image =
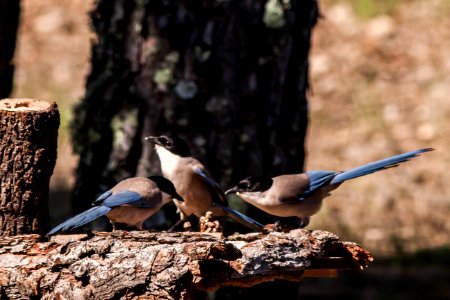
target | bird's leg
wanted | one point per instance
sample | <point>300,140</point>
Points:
<point>304,221</point>
<point>140,226</point>
<point>118,226</point>
<point>189,220</point>
<point>113,225</point>
<point>176,225</point>
<point>287,224</point>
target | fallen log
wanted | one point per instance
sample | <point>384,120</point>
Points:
<point>165,265</point>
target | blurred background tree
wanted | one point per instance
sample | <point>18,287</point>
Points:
<point>9,22</point>
<point>228,76</point>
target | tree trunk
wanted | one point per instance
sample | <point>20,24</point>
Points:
<point>146,265</point>
<point>230,77</point>
<point>9,22</point>
<point>28,136</point>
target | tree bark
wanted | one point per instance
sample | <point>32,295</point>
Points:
<point>28,142</point>
<point>9,22</point>
<point>162,265</point>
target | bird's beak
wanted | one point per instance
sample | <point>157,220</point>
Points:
<point>233,190</point>
<point>153,140</point>
<point>178,197</point>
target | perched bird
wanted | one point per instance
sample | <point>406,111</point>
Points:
<point>130,202</point>
<point>193,182</point>
<point>301,195</point>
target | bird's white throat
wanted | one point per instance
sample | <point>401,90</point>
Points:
<point>168,160</point>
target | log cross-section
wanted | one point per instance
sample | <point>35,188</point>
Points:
<point>28,136</point>
<point>163,265</point>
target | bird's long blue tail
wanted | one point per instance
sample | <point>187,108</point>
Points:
<point>376,166</point>
<point>243,219</point>
<point>81,219</point>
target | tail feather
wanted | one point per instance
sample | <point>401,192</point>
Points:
<point>377,166</point>
<point>81,219</point>
<point>242,219</point>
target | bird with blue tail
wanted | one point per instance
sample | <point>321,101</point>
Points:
<point>200,192</point>
<point>129,202</point>
<point>301,195</point>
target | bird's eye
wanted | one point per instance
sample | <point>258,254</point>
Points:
<point>166,141</point>
<point>244,185</point>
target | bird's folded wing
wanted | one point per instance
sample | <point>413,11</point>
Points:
<point>212,184</point>
<point>292,189</point>
<point>317,179</point>
<point>102,197</point>
<point>130,198</point>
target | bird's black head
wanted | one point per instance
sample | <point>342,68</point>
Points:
<point>252,184</point>
<point>174,144</point>
<point>166,186</point>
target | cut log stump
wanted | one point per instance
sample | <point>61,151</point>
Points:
<point>165,265</point>
<point>28,137</point>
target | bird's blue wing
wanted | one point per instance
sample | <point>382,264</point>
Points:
<point>377,165</point>
<point>316,180</point>
<point>81,219</point>
<point>212,184</point>
<point>127,197</point>
<point>102,197</point>
<point>206,178</point>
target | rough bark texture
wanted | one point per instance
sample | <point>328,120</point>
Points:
<point>9,22</point>
<point>229,76</point>
<point>28,142</point>
<point>146,265</point>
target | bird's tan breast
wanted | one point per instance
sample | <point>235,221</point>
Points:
<point>195,193</point>
<point>189,185</point>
